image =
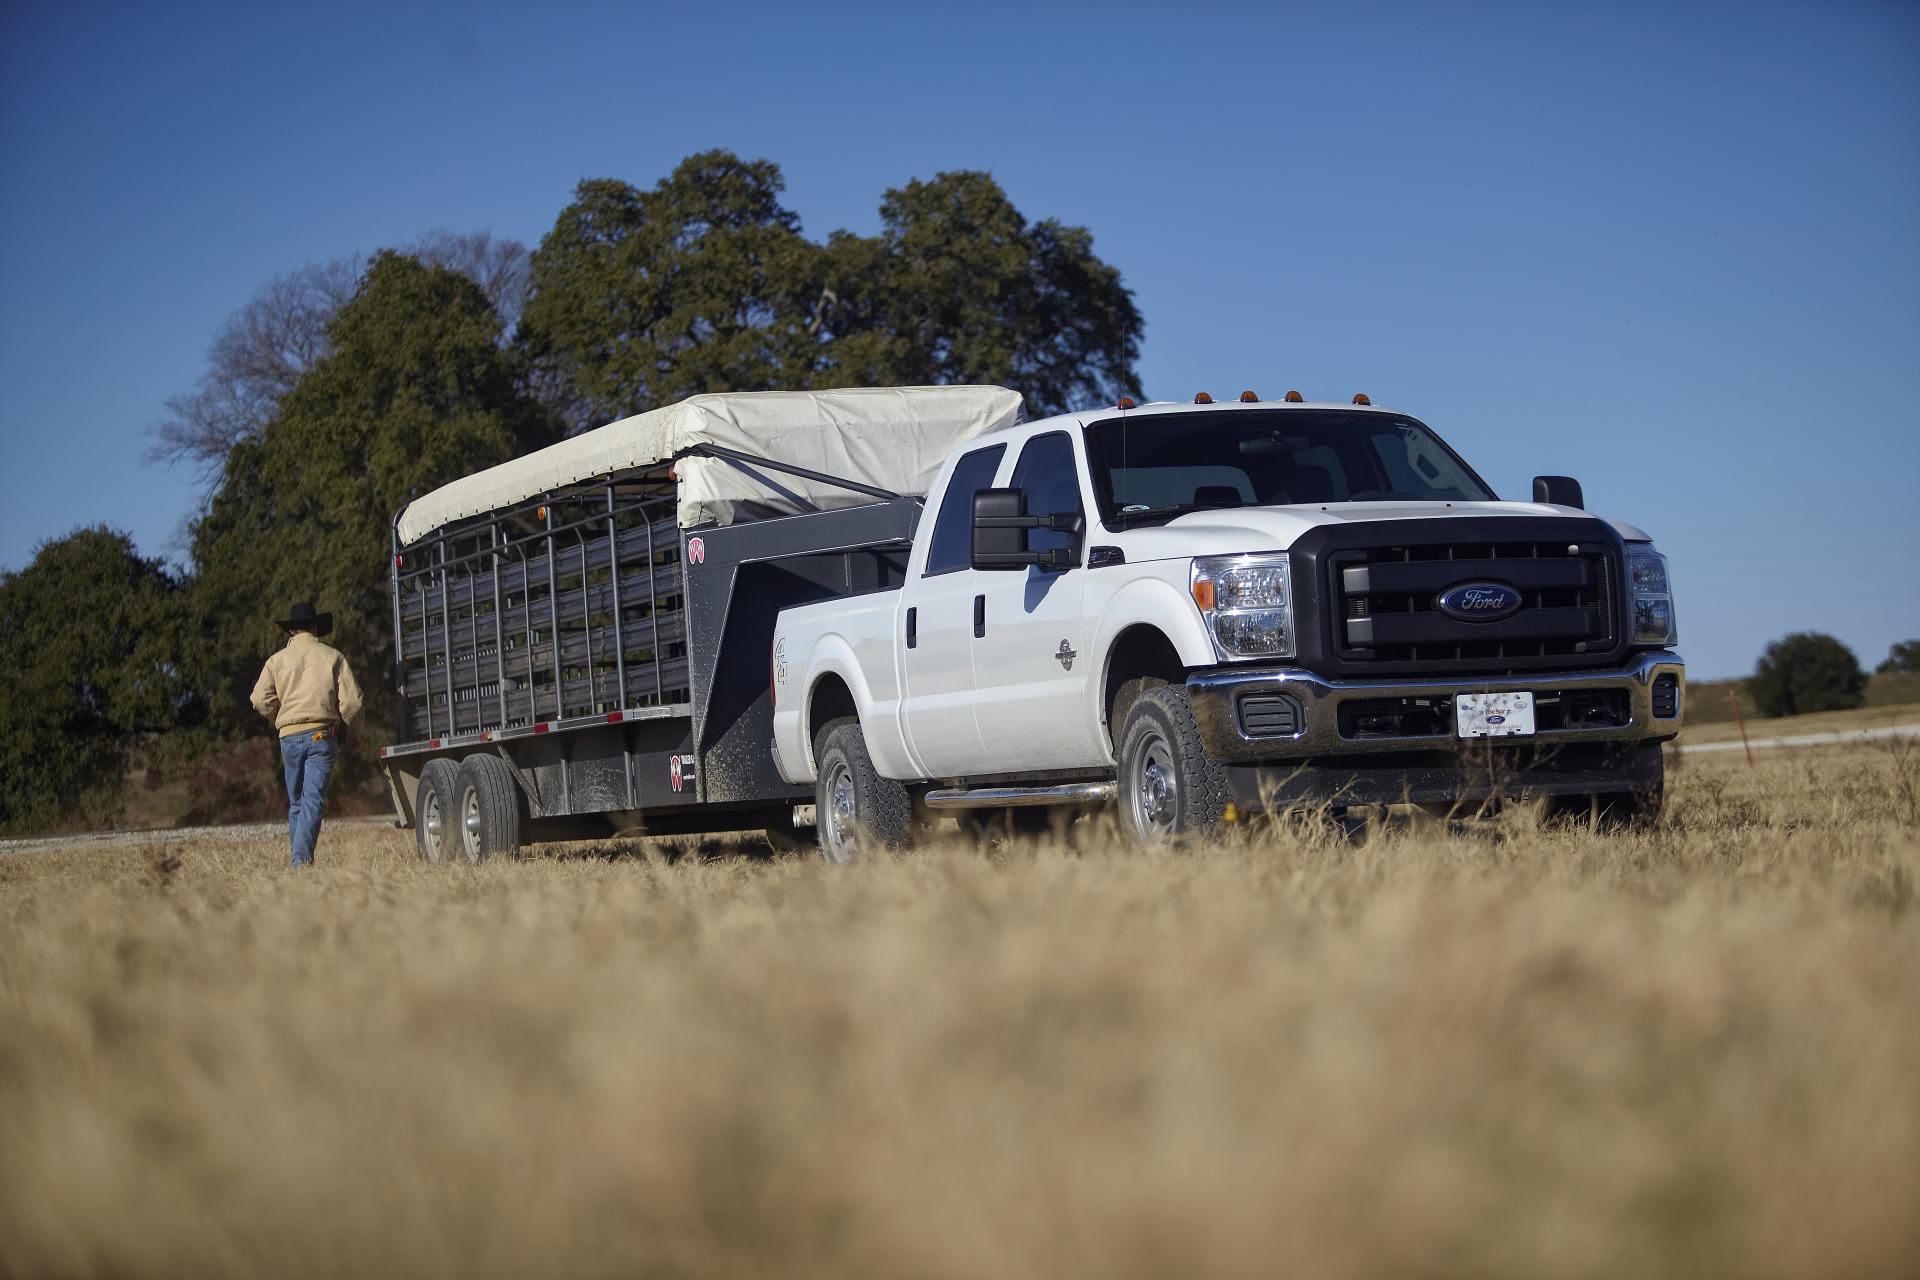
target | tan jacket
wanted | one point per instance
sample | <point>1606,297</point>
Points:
<point>306,686</point>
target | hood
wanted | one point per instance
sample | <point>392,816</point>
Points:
<point>1233,530</point>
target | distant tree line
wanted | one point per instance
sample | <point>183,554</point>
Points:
<point>342,389</point>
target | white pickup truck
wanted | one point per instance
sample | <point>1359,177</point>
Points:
<point>1203,610</point>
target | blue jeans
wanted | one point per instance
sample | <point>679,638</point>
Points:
<point>308,759</point>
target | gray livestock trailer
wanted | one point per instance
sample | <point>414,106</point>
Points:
<point>583,660</point>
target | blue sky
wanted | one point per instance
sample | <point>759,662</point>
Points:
<point>1673,250</point>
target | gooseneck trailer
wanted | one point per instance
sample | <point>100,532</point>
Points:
<point>582,636</point>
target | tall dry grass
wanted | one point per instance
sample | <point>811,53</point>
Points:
<point>1498,1051</point>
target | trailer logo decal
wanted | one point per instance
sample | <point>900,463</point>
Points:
<point>680,771</point>
<point>1066,655</point>
<point>696,550</point>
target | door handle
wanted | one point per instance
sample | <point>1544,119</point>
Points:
<point>913,628</point>
<point>979,617</point>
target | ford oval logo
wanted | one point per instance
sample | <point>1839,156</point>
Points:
<point>1478,601</point>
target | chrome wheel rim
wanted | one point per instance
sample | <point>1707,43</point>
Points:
<point>840,823</point>
<point>433,825</point>
<point>470,825</point>
<point>1154,796</point>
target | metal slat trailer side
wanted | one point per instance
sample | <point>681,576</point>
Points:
<point>615,663</point>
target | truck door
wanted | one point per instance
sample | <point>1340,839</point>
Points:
<point>1030,665</point>
<point>936,627</point>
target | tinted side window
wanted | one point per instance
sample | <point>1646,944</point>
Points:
<point>952,546</point>
<point>1047,476</point>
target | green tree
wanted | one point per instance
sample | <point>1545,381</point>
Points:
<point>1807,671</point>
<point>960,287</point>
<point>89,631</point>
<point>415,391</point>
<point>705,283</point>
<point>1903,656</point>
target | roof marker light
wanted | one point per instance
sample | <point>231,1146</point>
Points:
<point>1126,402</point>
<point>1362,399</point>
<point>1249,397</point>
<point>1201,397</point>
<point>1294,397</point>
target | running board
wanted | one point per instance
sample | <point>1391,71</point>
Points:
<point>1019,797</point>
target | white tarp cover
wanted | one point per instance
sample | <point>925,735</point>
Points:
<point>893,438</point>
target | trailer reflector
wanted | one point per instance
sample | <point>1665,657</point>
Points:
<point>543,726</point>
<point>433,744</point>
<point>615,717</point>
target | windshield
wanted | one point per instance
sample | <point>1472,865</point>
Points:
<point>1150,469</point>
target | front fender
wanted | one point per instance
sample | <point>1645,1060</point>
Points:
<point>1154,602</point>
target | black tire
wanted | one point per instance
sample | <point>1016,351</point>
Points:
<point>491,816</point>
<point>1169,787</point>
<point>435,830</point>
<point>856,811</point>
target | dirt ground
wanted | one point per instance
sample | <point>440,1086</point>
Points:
<point>1492,1050</point>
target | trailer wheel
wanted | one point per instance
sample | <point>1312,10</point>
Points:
<point>434,802</point>
<point>490,814</point>
<point>1169,786</point>
<point>857,811</point>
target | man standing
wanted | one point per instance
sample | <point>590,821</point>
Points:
<point>308,691</point>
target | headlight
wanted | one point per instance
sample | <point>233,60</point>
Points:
<point>1652,595</point>
<point>1247,604</point>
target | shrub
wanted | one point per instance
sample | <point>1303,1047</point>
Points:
<point>1807,671</point>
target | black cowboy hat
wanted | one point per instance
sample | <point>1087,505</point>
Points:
<point>303,617</point>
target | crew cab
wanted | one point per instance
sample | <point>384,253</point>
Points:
<point>1198,611</point>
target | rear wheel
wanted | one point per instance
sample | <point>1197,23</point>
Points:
<point>856,811</point>
<point>435,832</point>
<point>490,812</point>
<point>1169,786</point>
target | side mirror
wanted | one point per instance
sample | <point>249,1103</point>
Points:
<point>1559,491</point>
<point>1000,524</point>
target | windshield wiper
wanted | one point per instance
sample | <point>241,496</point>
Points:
<point>1125,519</point>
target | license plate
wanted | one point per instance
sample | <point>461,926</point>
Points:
<point>1493,715</point>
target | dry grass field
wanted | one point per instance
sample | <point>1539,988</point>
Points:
<point>1495,1051</point>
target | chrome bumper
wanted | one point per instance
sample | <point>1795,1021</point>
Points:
<point>1216,695</point>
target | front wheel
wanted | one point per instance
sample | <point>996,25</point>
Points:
<point>857,811</point>
<point>1169,787</point>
